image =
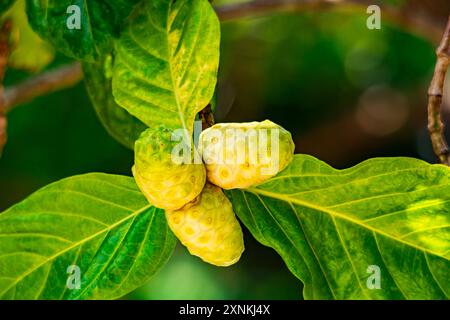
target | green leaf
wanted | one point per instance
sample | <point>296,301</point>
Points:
<point>167,59</point>
<point>5,4</point>
<point>29,51</point>
<point>330,225</point>
<point>118,122</point>
<point>101,20</point>
<point>98,222</point>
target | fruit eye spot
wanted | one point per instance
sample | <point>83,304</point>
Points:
<point>203,239</point>
<point>224,173</point>
<point>195,213</point>
<point>176,220</point>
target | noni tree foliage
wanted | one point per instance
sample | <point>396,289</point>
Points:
<point>150,67</point>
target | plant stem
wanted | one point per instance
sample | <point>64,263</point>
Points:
<point>435,94</point>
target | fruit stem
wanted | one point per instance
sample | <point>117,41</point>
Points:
<point>207,117</point>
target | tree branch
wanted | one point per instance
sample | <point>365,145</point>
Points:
<point>435,94</point>
<point>43,84</point>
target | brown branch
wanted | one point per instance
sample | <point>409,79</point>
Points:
<point>70,75</point>
<point>262,7</point>
<point>435,94</point>
<point>43,84</point>
<point>4,53</point>
<point>259,7</point>
<point>409,18</point>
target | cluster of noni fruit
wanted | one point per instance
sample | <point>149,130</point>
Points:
<point>229,156</point>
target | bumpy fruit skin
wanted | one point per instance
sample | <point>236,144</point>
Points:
<point>231,153</point>
<point>208,228</point>
<point>166,184</point>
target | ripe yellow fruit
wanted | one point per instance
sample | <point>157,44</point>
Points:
<point>167,184</point>
<point>240,155</point>
<point>208,228</point>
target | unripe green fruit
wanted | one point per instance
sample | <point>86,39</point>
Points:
<point>240,155</point>
<point>167,184</point>
<point>208,228</point>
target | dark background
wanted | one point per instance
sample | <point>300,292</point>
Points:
<point>345,92</point>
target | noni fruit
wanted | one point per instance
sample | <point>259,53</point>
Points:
<point>239,155</point>
<point>167,180</point>
<point>208,228</point>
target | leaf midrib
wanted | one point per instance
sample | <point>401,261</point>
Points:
<point>336,214</point>
<point>74,245</point>
<point>338,174</point>
<point>110,258</point>
<point>294,244</point>
<point>172,77</point>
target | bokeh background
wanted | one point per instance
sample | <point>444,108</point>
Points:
<point>345,92</point>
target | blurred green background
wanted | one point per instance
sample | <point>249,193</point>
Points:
<point>345,92</point>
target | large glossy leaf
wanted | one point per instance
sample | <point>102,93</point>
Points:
<point>166,65</point>
<point>330,225</point>
<point>100,223</point>
<point>29,51</point>
<point>101,20</point>
<point>118,122</point>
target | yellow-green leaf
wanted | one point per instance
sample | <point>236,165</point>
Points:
<point>334,228</point>
<point>99,223</point>
<point>117,121</point>
<point>166,62</point>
